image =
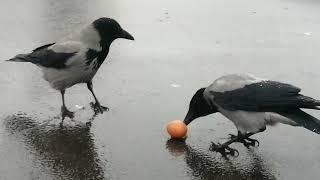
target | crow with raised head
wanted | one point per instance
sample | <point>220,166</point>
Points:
<point>76,58</point>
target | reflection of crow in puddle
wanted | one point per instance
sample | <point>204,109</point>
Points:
<point>205,166</point>
<point>68,150</point>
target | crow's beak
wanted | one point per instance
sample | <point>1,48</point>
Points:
<point>126,35</point>
<point>189,118</point>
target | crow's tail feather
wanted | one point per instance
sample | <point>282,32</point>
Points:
<point>303,119</point>
<point>19,58</point>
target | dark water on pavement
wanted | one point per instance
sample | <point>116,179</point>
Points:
<point>180,46</point>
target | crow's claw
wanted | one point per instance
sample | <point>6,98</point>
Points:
<point>66,113</point>
<point>97,108</point>
<point>249,142</point>
<point>253,142</point>
<point>232,136</point>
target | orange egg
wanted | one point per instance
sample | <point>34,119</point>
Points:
<point>177,129</point>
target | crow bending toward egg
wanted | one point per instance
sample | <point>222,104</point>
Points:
<point>251,103</point>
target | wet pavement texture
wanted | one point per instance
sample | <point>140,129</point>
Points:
<point>180,46</point>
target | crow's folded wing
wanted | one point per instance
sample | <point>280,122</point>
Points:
<point>264,96</point>
<point>53,55</point>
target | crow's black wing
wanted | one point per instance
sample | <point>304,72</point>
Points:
<point>43,46</point>
<point>264,96</point>
<point>48,57</point>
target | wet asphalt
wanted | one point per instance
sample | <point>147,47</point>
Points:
<point>180,46</point>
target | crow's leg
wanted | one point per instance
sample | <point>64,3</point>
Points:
<point>64,111</point>
<point>224,148</point>
<point>96,106</point>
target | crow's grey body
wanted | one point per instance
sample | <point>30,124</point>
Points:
<point>65,63</point>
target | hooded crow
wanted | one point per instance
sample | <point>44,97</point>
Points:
<point>76,58</point>
<point>251,103</point>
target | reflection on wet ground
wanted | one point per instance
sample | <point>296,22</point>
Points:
<point>203,165</point>
<point>69,151</point>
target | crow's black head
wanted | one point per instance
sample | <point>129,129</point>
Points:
<point>199,107</point>
<point>109,30</point>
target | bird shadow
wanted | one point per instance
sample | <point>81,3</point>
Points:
<point>68,151</point>
<point>204,165</point>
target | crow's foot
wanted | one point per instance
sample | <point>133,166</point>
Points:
<point>97,108</point>
<point>66,113</point>
<point>246,141</point>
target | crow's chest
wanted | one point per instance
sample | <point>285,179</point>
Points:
<point>94,58</point>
